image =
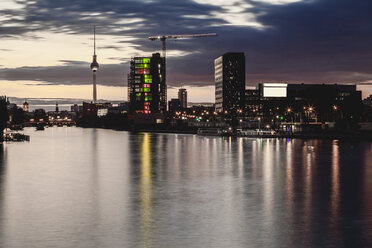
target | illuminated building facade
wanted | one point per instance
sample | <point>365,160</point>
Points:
<point>230,82</point>
<point>147,89</point>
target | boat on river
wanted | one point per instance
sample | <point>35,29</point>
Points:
<point>209,131</point>
<point>40,127</point>
<point>15,136</point>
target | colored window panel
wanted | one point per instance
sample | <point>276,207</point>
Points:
<point>148,76</point>
<point>148,81</point>
<point>146,60</point>
<point>142,71</point>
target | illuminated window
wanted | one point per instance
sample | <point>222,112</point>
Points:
<point>142,71</point>
<point>148,79</point>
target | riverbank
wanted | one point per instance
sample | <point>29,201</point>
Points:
<point>326,135</point>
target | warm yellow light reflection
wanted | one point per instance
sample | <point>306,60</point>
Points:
<point>146,192</point>
<point>335,179</point>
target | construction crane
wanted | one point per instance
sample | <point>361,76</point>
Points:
<point>163,38</point>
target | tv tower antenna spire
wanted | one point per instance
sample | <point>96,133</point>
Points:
<point>94,67</point>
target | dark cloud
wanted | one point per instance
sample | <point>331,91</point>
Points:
<point>321,41</point>
<point>71,73</point>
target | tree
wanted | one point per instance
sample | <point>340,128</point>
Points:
<point>18,116</point>
<point>4,116</point>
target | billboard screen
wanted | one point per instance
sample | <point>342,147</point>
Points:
<point>274,90</point>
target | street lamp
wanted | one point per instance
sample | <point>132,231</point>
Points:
<point>336,109</point>
<point>259,123</point>
<point>289,110</point>
<point>312,110</point>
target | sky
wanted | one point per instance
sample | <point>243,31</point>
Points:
<point>46,46</point>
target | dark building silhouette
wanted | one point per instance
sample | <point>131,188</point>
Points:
<point>230,82</point>
<point>368,101</point>
<point>147,89</point>
<point>174,105</point>
<point>182,96</point>
<point>89,109</point>
<point>304,102</point>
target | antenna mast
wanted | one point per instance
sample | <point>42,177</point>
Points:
<point>94,39</point>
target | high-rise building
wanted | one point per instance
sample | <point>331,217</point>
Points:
<point>182,96</point>
<point>147,90</point>
<point>230,82</point>
<point>94,67</point>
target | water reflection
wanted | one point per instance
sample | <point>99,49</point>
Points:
<point>2,202</point>
<point>335,182</point>
<point>119,189</point>
<point>146,211</point>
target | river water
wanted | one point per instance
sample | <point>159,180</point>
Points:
<point>74,187</point>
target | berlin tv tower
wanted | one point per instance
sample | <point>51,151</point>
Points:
<point>94,66</point>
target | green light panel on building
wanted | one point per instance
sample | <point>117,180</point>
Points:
<point>144,90</point>
<point>142,61</point>
<point>148,79</point>
<point>142,66</point>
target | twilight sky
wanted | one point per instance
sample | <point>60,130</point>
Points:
<point>46,46</point>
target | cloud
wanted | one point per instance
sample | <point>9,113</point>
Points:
<point>70,73</point>
<point>284,40</point>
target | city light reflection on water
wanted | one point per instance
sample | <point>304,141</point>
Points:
<point>145,192</point>
<point>103,188</point>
